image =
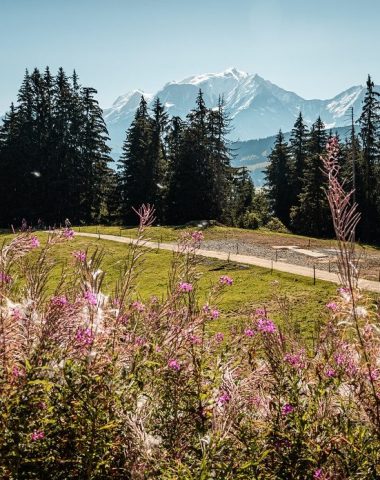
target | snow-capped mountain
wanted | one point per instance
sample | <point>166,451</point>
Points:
<point>258,108</point>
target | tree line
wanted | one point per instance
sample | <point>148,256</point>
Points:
<point>295,185</point>
<point>54,158</point>
<point>55,163</point>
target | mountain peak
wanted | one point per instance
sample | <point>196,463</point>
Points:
<point>258,107</point>
<point>230,73</point>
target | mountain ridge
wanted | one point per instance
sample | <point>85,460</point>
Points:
<point>258,108</point>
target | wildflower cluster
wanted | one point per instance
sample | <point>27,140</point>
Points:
<point>96,386</point>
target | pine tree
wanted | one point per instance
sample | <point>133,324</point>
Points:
<point>94,156</point>
<point>368,186</point>
<point>158,157</point>
<point>219,160</point>
<point>298,153</point>
<point>11,168</point>
<point>190,188</point>
<point>278,179</point>
<point>311,216</point>
<point>242,195</point>
<point>135,171</point>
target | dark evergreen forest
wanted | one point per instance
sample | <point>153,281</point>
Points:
<point>55,163</point>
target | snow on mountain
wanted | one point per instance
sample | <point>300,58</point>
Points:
<point>258,108</point>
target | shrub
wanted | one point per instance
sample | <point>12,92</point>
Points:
<point>275,225</point>
<point>250,220</point>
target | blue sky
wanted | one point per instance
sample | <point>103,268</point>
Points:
<point>313,48</point>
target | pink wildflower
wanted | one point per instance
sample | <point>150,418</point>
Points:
<point>374,375</point>
<point>79,255</point>
<point>59,301</point>
<point>84,336</point>
<point>330,372</point>
<point>37,435</point>
<point>223,399</point>
<point>90,297</point>
<point>219,337</point>
<point>260,312</point>
<point>197,236</point>
<point>317,474</point>
<point>18,372</point>
<point>286,409</point>
<point>68,233</point>
<point>4,278</point>
<point>226,280</point>
<point>295,360</point>
<point>140,341</point>
<point>265,325</point>
<point>185,287</point>
<point>16,313</point>
<point>332,306</point>
<point>34,242</point>
<point>174,365</point>
<point>194,339</point>
<point>138,306</point>
<point>249,332</point>
<point>214,313</point>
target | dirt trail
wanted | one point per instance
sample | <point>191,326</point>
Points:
<point>245,259</point>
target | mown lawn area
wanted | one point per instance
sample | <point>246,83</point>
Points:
<point>289,299</point>
<point>261,235</point>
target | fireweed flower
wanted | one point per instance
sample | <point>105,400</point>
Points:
<point>194,339</point>
<point>16,313</point>
<point>18,372</point>
<point>197,236</point>
<point>266,326</point>
<point>37,435</point>
<point>317,474</point>
<point>249,332</point>
<point>226,280</point>
<point>295,360</point>
<point>260,312</point>
<point>138,306</point>
<point>345,294</point>
<point>174,365</point>
<point>223,399</point>
<point>330,372</point>
<point>219,337</point>
<point>68,233</point>
<point>214,313</point>
<point>4,278</point>
<point>185,287</point>
<point>286,409</point>
<point>332,306</point>
<point>59,301</point>
<point>90,297</point>
<point>79,255</point>
<point>84,336</point>
<point>34,242</point>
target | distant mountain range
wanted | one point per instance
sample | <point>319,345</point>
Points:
<point>258,108</point>
<point>253,153</point>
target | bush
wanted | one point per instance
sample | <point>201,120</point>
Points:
<point>275,225</point>
<point>250,220</point>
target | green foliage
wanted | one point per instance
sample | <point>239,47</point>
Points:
<point>250,220</point>
<point>275,225</point>
<point>53,152</point>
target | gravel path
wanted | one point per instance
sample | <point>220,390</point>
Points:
<point>248,257</point>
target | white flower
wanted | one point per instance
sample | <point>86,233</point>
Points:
<point>361,312</point>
